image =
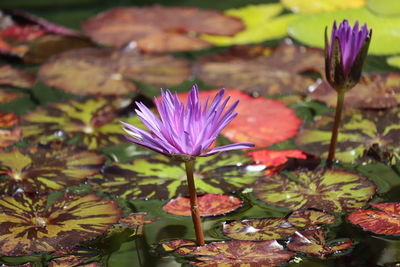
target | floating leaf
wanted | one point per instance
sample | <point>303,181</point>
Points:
<point>360,131</point>
<point>318,6</point>
<point>46,169</point>
<point>384,7</point>
<point>111,72</point>
<point>10,137</point>
<point>328,190</point>
<point>394,61</point>
<point>94,121</point>
<point>163,178</point>
<point>175,244</point>
<point>258,229</point>
<point>29,226</point>
<point>136,219</point>
<point>385,220</point>
<point>8,120</point>
<point>72,261</point>
<point>238,253</point>
<point>378,90</point>
<point>159,29</point>
<point>208,204</point>
<point>310,29</point>
<point>14,77</point>
<point>7,96</point>
<point>310,218</point>
<point>260,72</point>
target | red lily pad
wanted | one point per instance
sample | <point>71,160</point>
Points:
<point>159,29</point>
<point>7,96</point>
<point>262,73</point>
<point>208,204</point>
<point>258,229</point>
<point>313,243</point>
<point>238,253</point>
<point>377,90</point>
<point>330,190</point>
<point>8,120</point>
<point>14,77</point>
<point>46,169</point>
<point>310,218</point>
<point>111,72</point>
<point>385,220</point>
<point>28,225</point>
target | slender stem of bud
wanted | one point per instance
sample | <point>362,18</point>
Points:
<point>193,203</point>
<point>335,130</point>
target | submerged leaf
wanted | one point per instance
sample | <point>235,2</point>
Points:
<point>16,78</point>
<point>310,218</point>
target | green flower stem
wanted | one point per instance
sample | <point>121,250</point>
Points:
<point>335,130</point>
<point>193,203</point>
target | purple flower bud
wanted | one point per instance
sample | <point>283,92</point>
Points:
<point>345,54</point>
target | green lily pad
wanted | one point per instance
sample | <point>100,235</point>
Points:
<point>45,169</point>
<point>329,190</point>
<point>385,38</point>
<point>384,7</point>
<point>163,178</point>
<point>318,6</point>
<point>394,61</point>
<point>28,225</point>
<point>361,131</point>
<point>259,229</point>
<point>310,218</point>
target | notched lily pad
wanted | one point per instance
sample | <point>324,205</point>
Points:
<point>385,220</point>
<point>312,242</point>
<point>95,71</point>
<point>258,229</point>
<point>330,190</point>
<point>45,169</point>
<point>310,218</point>
<point>377,91</point>
<point>238,253</point>
<point>16,78</point>
<point>159,29</point>
<point>208,204</point>
<point>28,225</point>
<point>162,178</point>
<point>259,71</point>
<point>361,131</point>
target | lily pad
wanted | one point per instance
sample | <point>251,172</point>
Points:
<point>95,122</point>
<point>377,91</point>
<point>7,96</point>
<point>163,178</point>
<point>8,120</point>
<point>29,225</point>
<point>258,229</point>
<point>159,29</point>
<point>361,131</point>
<point>384,221</point>
<point>208,204</point>
<point>173,245</point>
<point>394,61</point>
<point>329,190</point>
<point>136,219</point>
<point>72,261</point>
<point>111,72</point>
<point>384,7</point>
<point>260,72</point>
<point>45,169</point>
<point>318,6</point>
<point>16,78</point>
<point>313,243</point>
<point>238,253</point>
<point>310,29</point>
<point>310,218</point>
<point>9,137</point>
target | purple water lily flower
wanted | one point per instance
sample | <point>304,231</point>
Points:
<point>345,54</point>
<point>184,132</point>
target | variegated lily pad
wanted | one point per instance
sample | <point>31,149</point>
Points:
<point>259,229</point>
<point>360,131</point>
<point>27,225</point>
<point>8,120</point>
<point>9,137</point>
<point>72,261</point>
<point>162,178</point>
<point>208,204</point>
<point>16,78</point>
<point>111,72</point>
<point>261,72</point>
<point>310,218</point>
<point>329,190</point>
<point>173,245</point>
<point>46,169</point>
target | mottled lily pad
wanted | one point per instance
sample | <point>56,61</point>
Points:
<point>162,178</point>
<point>378,90</point>
<point>94,121</point>
<point>72,261</point>
<point>7,96</point>
<point>238,253</point>
<point>136,219</point>
<point>329,190</point>
<point>46,169</point>
<point>258,229</point>
<point>173,245</point>
<point>8,120</point>
<point>29,226</point>
<point>111,72</point>
<point>16,78</point>
<point>313,243</point>
<point>385,220</point>
<point>318,6</point>
<point>310,218</point>
<point>208,204</point>
<point>361,130</point>
<point>261,72</point>
<point>158,28</point>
